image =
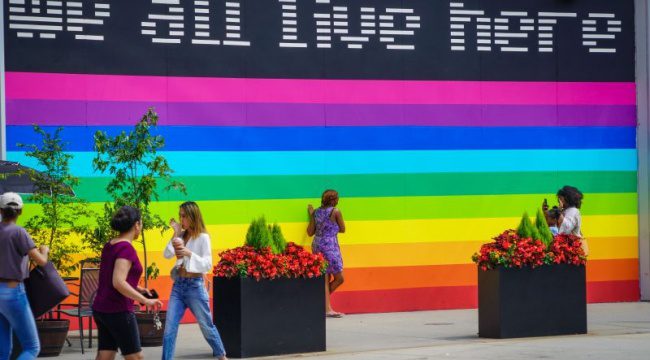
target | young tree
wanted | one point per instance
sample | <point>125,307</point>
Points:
<point>545,233</point>
<point>133,161</point>
<point>63,216</point>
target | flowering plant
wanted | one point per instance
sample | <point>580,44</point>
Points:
<point>529,247</point>
<point>294,262</point>
<point>567,249</point>
<point>509,250</point>
<point>267,255</point>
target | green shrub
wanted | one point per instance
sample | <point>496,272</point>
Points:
<point>545,234</point>
<point>279,243</point>
<point>258,235</point>
<point>526,228</point>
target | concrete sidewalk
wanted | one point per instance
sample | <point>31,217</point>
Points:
<point>616,331</point>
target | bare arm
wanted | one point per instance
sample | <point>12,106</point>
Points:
<point>311,228</point>
<point>338,217</point>
<point>120,271</point>
<point>39,256</point>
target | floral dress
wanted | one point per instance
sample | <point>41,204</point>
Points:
<point>326,241</point>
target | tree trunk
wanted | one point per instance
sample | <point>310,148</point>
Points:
<point>146,263</point>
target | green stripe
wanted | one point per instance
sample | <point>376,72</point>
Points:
<point>382,185</point>
<point>394,208</point>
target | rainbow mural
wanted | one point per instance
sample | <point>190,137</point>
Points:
<point>428,166</point>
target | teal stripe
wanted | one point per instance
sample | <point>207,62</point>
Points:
<point>374,162</point>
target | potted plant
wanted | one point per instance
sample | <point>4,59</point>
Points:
<point>269,296</point>
<point>62,218</point>
<point>135,167</point>
<point>531,283</point>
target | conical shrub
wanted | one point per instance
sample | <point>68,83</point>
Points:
<point>279,243</point>
<point>526,228</point>
<point>545,234</point>
<point>258,235</point>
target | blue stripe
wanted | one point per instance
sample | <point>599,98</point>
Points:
<point>192,138</point>
<point>205,163</point>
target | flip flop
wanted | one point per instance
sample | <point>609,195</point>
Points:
<point>334,314</point>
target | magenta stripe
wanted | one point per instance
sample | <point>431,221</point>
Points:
<point>102,113</point>
<point>185,89</point>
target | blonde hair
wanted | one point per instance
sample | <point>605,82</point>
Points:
<point>193,213</point>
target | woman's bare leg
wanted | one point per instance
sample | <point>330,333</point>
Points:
<point>328,307</point>
<point>105,355</point>
<point>136,356</point>
<point>336,282</point>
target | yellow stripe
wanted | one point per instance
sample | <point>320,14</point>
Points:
<point>613,248</point>
<point>409,231</point>
<point>460,252</point>
<point>426,231</point>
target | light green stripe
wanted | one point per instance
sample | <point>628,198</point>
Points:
<point>393,208</point>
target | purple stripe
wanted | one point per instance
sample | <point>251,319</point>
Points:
<point>57,112</point>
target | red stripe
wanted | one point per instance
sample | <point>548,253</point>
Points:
<point>613,291</point>
<point>459,297</point>
<point>441,298</point>
<point>436,298</point>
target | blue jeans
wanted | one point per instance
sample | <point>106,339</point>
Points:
<point>16,316</point>
<point>190,293</point>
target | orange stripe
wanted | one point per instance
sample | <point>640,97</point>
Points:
<point>418,254</point>
<point>381,278</point>
<point>360,279</point>
<point>613,270</point>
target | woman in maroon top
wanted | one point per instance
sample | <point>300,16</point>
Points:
<point>119,274</point>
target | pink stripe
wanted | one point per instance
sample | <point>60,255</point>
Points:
<point>185,89</point>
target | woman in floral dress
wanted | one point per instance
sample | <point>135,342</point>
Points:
<point>325,223</point>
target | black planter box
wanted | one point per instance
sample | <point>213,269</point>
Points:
<point>270,317</point>
<point>548,300</point>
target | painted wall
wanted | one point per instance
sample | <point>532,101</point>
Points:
<point>438,128</point>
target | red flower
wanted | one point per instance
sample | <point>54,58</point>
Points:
<point>508,250</point>
<point>263,264</point>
